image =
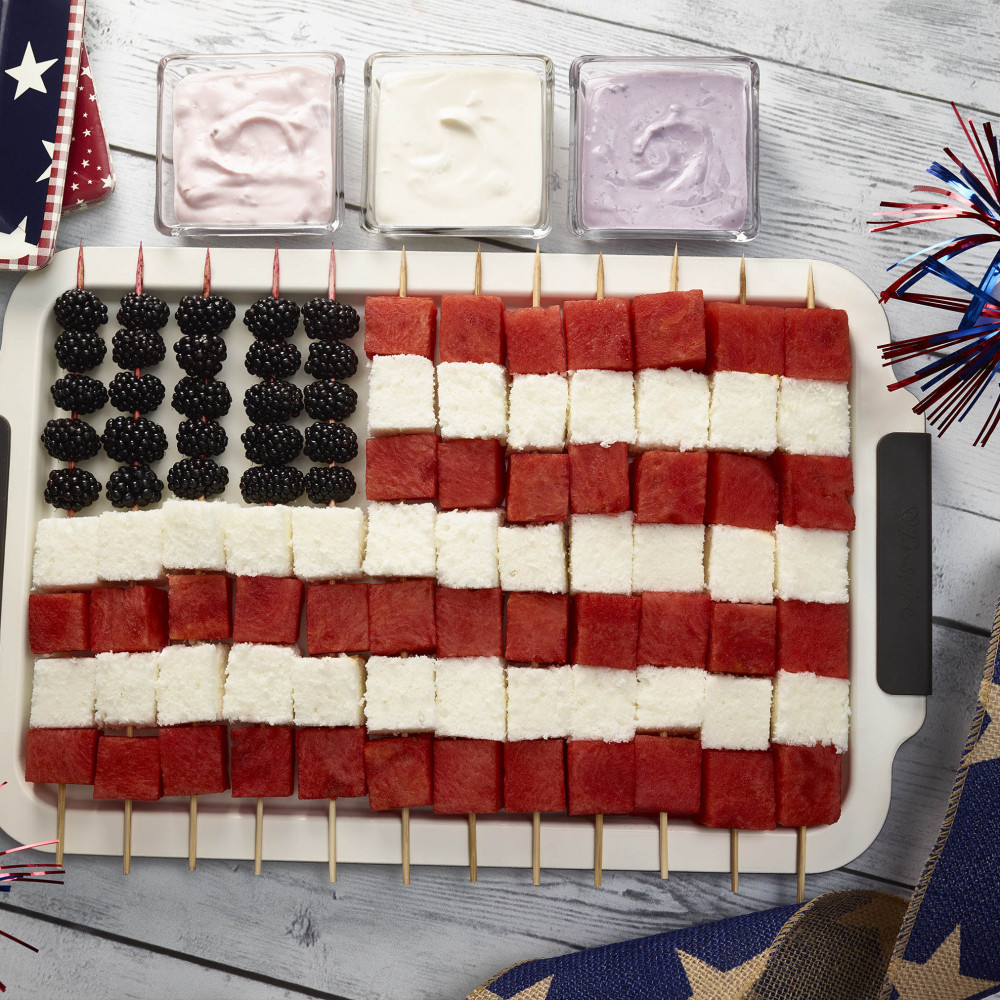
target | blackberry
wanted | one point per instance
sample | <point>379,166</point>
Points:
<point>276,358</point>
<point>329,443</point>
<point>80,311</point>
<point>134,486</point>
<point>195,397</point>
<point>70,440</point>
<point>137,349</point>
<point>193,478</point>
<point>200,314</point>
<point>330,483</point>
<point>201,354</point>
<point>136,393</point>
<point>143,311</point>
<point>79,393</point>
<point>72,489</point>
<point>328,400</point>
<point>271,484</point>
<point>266,402</point>
<point>270,317</point>
<point>127,440</point>
<point>201,438</point>
<point>331,359</point>
<point>328,319</point>
<point>272,444</point>
<point>80,350</point>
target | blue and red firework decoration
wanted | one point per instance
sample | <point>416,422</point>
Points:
<point>962,363</point>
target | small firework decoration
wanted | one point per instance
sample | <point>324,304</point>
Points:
<point>961,364</point>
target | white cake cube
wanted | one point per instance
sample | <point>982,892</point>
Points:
<point>466,542</point>
<point>600,553</point>
<point>126,689</point>
<point>328,690</point>
<point>532,557</point>
<point>539,702</point>
<point>814,418</point>
<point>601,407</point>
<point>809,709</point>
<point>258,540</point>
<point>63,693</point>
<point>65,552</point>
<point>400,540</point>
<point>668,557</point>
<point>669,698</point>
<point>194,535</point>
<point>603,705</point>
<point>130,545</point>
<point>259,684</point>
<point>671,409</point>
<point>737,713</point>
<point>399,694</point>
<point>328,543</point>
<point>811,565</point>
<point>190,683</point>
<point>401,394</point>
<point>471,699</point>
<point>472,400</point>
<point>740,564</point>
<point>539,407</point>
<point>743,415</point>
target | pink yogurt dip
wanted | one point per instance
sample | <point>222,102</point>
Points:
<point>254,148</point>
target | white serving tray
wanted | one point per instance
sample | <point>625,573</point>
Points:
<point>295,830</point>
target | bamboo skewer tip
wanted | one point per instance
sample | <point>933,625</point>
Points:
<point>332,839</point>
<point>258,845</point>
<point>478,285</point>
<point>60,823</point>
<point>598,848</point>
<point>406,844</point>
<point>402,272</point>
<point>536,278</point>
<point>743,280</point>
<point>193,834</point>
<point>810,290</point>
<point>674,269</point>
<point>600,276</point>
<point>536,848</point>
<point>664,867</point>
<point>473,850</point>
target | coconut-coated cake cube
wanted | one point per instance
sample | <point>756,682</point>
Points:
<point>400,540</point>
<point>259,684</point>
<point>811,565</point>
<point>258,540</point>
<point>740,564</point>
<point>532,558</point>
<point>671,409</point>
<point>810,710</point>
<point>401,394</point>
<point>194,535</point>
<point>130,545</point>
<point>328,690</point>
<point>328,543</point>
<point>63,693</point>
<point>466,543</point>
<point>669,698</point>
<point>601,407</point>
<point>537,413</point>
<point>539,702</point>
<point>65,552</point>
<point>399,694</point>
<point>471,700</point>
<point>814,417</point>
<point>190,683</point>
<point>472,400</point>
<point>737,713</point>
<point>603,705</point>
<point>743,414</point>
<point>600,553</point>
<point>126,689</point>
<point>668,557</point>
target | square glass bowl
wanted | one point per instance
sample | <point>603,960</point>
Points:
<point>664,147</point>
<point>457,144</point>
<point>250,144</point>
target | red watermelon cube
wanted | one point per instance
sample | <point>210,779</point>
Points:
<point>401,467</point>
<point>267,609</point>
<point>401,617</point>
<point>817,344</point>
<point>814,638</point>
<point>58,623</point>
<point>598,478</point>
<point>742,491</point>
<point>673,629</point>
<point>667,775</point>
<point>737,789</point>
<point>128,620</point>
<point>605,630</point>
<point>398,769</point>
<point>537,628</point>
<point>534,776</point>
<point>472,329</point>
<point>469,622</point>
<point>128,767</point>
<point>742,639</point>
<point>745,338</point>
<point>468,776</point>
<point>601,777</point>
<point>331,762</point>
<point>336,618</point>
<point>470,474</point>
<point>61,756</point>
<point>807,782</point>
<point>669,330</point>
<point>198,607</point>
<point>536,344</point>
<point>668,487</point>
<point>195,759</point>
<point>598,334</point>
<point>262,762</point>
<point>538,488</point>
<point>400,325</point>
<point>816,491</point>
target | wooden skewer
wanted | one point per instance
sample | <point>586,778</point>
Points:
<point>536,848</point>
<point>743,280</point>
<point>600,276</point>
<point>599,817</point>
<point>473,859</point>
<point>127,841</point>
<point>536,280</point>
<point>406,845</point>
<point>674,270</point>
<point>402,272</point>
<point>477,288</point>
<point>331,832</point>
<point>258,839</point>
<point>60,822</point>
<point>193,833</point>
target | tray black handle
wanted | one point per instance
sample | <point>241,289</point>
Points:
<point>903,564</point>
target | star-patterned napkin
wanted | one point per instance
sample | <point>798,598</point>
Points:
<point>90,178</point>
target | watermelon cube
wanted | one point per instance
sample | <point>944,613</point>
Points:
<point>537,628</point>
<point>598,478</point>
<point>58,623</point>
<point>538,488</point>
<point>817,344</point>
<point>400,325</point>
<point>401,467</point>
<point>816,491</point>
<point>534,776</point>
<point>668,487</point>
<point>194,759</point>
<point>745,338</point>
<point>128,767</point>
<point>742,639</point>
<point>742,491</point>
<point>401,617</point>
<point>61,756</point>
<point>673,629</point>
<point>472,329</point>
<point>814,637</point>
<point>470,474</point>
<point>468,776</point>
<point>605,630</point>
<point>807,783</point>
<point>128,620</point>
<point>469,622</point>
<point>669,330</point>
<point>598,334</point>
<point>536,344</point>
<point>667,775</point>
<point>336,618</point>
<point>267,609</point>
<point>398,769</point>
<point>262,762</point>
<point>331,762</point>
<point>198,607</point>
<point>601,777</point>
<point>737,789</point>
